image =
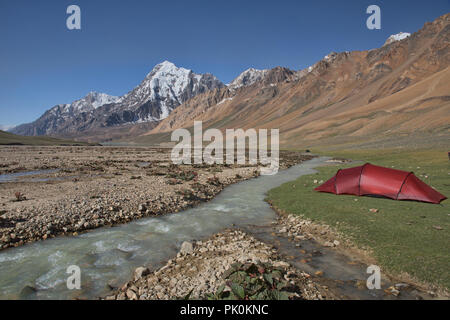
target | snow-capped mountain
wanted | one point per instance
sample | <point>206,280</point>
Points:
<point>163,89</point>
<point>58,116</point>
<point>397,37</point>
<point>247,78</point>
<point>92,101</point>
<point>89,103</point>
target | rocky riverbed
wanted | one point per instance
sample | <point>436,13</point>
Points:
<point>200,266</point>
<point>68,190</point>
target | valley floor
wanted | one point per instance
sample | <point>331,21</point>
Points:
<point>51,191</point>
<point>318,241</point>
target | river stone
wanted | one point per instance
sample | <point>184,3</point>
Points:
<point>173,282</point>
<point>27,292</point>
<point>131,294</point>
<point>140,272</point>
<point>187,248</point>
<point>281,264</point>
<point>152,281</point>
<point>328,244</point>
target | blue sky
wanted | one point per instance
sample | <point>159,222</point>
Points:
<point>42,63</point>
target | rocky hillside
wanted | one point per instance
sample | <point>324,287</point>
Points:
<point>60,115</point>
<point>396,90</point>
<point>162,90</point>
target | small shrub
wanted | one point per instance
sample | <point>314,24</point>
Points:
<point>252,282</point>
<point>185,175</point>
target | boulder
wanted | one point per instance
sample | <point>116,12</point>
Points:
<point>140,272</point>
<point>187,248</point>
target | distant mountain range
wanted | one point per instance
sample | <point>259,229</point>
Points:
<point>398,89</point>
<point>397,93</point>
<point>162,90</point>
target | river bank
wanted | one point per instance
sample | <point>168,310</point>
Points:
<point>316,262</point>
<point>199,269</point>
<point>108,256</point>
<point>407,239</point>
<point>55,191</point>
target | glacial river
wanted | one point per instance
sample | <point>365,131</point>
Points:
<point>109,256</point>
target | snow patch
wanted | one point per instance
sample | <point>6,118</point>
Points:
<point>247,78</point>
<point>397,37</point>
<point>224,100</point>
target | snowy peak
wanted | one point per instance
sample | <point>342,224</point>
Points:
<point>330,57</point>
<point>92,101</point>
<point>397,37</point>
<point>95,100</point>
<point>164,88</point>
<point>247,78</point>
<point>167,68</point>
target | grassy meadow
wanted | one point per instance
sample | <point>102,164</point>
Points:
<point>403,236</point>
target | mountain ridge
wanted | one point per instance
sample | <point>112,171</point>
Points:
<point>164,88</point>
<point>310,104</point>
<point>171,97</point>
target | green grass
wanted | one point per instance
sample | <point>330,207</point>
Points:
<point>401,236</point>
<point>7,138</point>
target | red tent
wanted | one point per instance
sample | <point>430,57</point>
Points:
<point>380,181</point>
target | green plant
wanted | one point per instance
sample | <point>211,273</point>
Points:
<point>184,175</point>
<point>252,282</point>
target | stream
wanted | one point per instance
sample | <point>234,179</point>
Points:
<point>108,256</point>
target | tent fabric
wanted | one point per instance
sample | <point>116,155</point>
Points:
<point>371,180</point>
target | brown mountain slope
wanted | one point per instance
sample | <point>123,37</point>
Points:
<point>401,88</point>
